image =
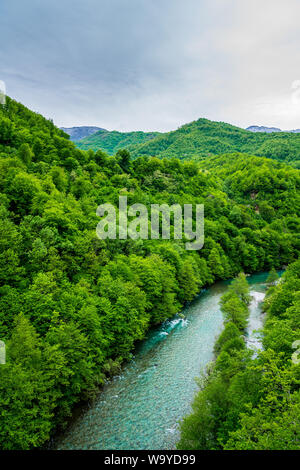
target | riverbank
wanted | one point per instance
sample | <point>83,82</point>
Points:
<point>140,408</point>
<point>241,386</point>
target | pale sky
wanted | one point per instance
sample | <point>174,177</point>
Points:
<point>153,64</point>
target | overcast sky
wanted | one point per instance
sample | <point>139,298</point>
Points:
<point>153,64</point>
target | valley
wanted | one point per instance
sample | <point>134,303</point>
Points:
<point>74,308</point>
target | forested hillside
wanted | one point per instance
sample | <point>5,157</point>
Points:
<point>248,403</point>
<point>72,306</point>
<point>271,187</point>
<point>111,141</point>
<point>202,138</point>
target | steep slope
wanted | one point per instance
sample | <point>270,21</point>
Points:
<point>111,141</point>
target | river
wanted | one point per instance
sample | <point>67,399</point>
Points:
<point>140,408</point>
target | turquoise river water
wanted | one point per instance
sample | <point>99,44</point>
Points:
<point>140,408</point>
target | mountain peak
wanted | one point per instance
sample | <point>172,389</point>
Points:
<point>269,130</point>
<point>263,129</point>
<point>78,133</point>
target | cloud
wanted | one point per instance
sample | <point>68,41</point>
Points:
<point>264,40</point>
<point>152,64</point>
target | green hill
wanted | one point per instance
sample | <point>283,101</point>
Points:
<point>111,141</point>
<point>198,140</point>
<point>202,138</point>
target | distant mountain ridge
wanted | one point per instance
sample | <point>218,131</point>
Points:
<point>80,132</point>
<point>269,130</point>
<point>200,139</point>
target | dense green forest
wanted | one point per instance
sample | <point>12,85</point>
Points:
<point>203,138</point>
<point>112,141</point>
<point>246,402</point>
<point>73,306</point>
